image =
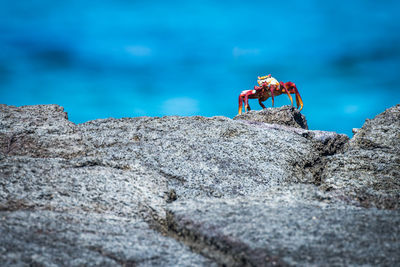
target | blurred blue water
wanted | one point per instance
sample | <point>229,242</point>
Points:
<point>128,58</point>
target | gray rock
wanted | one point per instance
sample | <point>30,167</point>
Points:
<point>283,227</point>
<point>368,171</point>
<point>38,131</point>
<point>285,115</point>
<point>75,238</point>
<point>195,191</point>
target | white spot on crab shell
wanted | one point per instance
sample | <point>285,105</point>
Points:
<point>183,106</point>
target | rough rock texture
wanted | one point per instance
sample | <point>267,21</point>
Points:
<point>196,191</point>
<point>285,115</point>
<point>369,169</point>
<point>279,228</point>
<point>76,238</point>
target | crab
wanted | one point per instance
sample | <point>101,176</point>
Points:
<point>269,87</point>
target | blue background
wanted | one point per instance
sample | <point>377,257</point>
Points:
<point>102,59</point>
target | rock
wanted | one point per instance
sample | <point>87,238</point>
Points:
<point>38,131</point>
<point>368,171</point>
<point>195,191</point>
<point>75,238</point>
<point>285,115</point>
<point>283,228</point>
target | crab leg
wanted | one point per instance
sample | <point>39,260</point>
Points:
<point>272,94</point>
<point>244,97</point>
<point>240,104</point>
<point>261,104</point>
<point>299,100</point>
<point>287,92</point>
<point>246,101</point>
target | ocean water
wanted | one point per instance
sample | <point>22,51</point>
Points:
<point>101,59</point>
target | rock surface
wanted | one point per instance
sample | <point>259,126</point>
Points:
<point>368,171</point>
<point>285,115</point>
<point>195,191</point>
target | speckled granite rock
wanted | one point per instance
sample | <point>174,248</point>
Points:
<point>368,171</point>
<point>38,131</point>
<point>191,191</point>
<point>285,115</point>
<point>295,225</point>
<point>41,237</point>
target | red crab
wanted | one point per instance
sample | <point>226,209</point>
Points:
<point>269,87</point>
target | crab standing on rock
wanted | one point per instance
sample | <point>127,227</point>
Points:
<point>269,87</point>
